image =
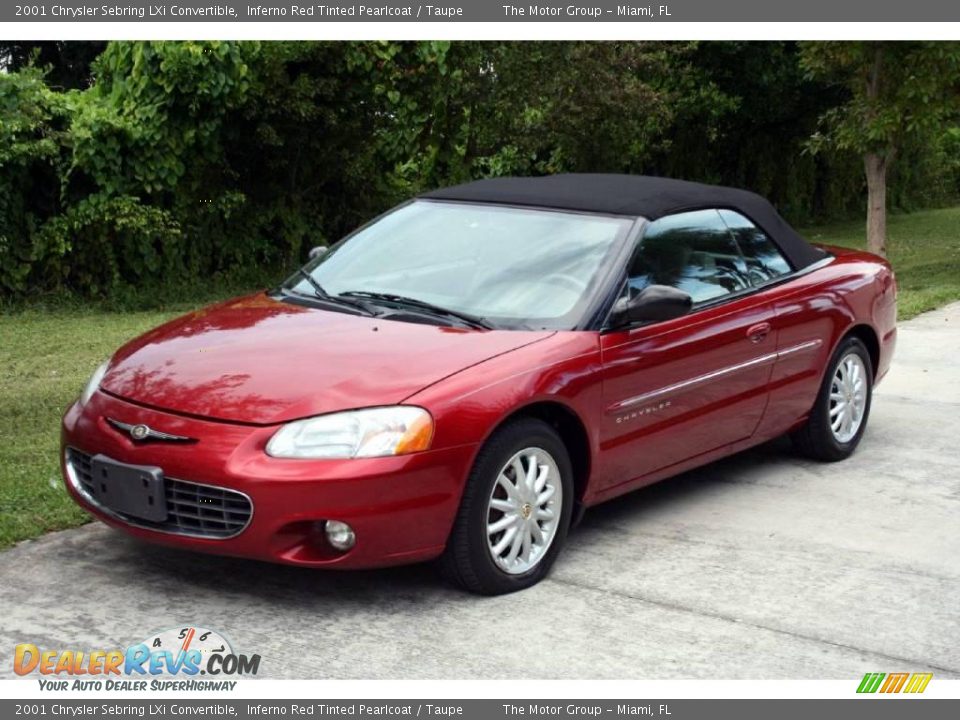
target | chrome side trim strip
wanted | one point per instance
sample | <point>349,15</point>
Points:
<point>808,345</point>
<point>707,377</point>
<point>685,384</point>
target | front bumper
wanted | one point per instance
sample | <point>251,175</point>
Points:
<point>401,508</point>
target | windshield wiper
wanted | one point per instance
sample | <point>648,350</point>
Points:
<point>319,291</point>
<point>467,318</point>
<point>317,287</point>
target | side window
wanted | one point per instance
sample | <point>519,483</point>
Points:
<point>764,260</point>
<point>693,252</point>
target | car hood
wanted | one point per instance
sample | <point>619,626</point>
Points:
<point>257,360</point>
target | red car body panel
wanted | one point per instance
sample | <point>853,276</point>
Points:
<point>640,404</point>
<point>259,361</point>
<point>401,507</point>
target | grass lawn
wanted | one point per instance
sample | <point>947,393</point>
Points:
<point>46,356</point>
<point>45,360</point>
<point>924,248</point>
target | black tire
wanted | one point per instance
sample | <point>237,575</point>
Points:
<point>816,438</point>
<point>467,559</point>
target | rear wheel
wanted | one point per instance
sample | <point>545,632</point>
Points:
<point>839,416</point>
<point>515,511</point>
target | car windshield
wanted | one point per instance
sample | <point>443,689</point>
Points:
<point>507,267</point>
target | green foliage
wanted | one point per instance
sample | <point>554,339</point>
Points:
<point>463,110</point>
<point>174,162</point>
<point>614,114</point>
<point>126,161</point>
<point>896,91</point>
<point>120,238</point>
<point>899,96</point>
<point>155,108</point>
<point>301,152</point>
<point>67,63</point>
<point>758,141</point>
<point>32,155</point>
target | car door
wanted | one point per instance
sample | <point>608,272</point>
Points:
<point>801,324</point>
<point>676,389</point>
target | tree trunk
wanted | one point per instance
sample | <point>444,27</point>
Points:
<point>875,166</point>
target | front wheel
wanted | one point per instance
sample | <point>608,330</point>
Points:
<point>839,416</point>
<point>515,511</point>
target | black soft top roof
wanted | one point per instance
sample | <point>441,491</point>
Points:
<point>637,195</point>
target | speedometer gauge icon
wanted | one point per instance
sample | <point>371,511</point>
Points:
<point>178,641</point>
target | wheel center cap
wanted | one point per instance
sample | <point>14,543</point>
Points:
<point>526,511</point>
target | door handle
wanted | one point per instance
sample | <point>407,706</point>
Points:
<point>758,333</point>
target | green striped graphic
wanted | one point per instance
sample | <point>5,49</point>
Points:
<point>870,682</point>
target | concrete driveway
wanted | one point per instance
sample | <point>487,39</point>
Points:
<point>760,566</point>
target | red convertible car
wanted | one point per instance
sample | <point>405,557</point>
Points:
<point>461,377</point>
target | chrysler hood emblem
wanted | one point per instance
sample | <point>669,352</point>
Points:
<point>145,432</point>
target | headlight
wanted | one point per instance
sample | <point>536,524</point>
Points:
<point>376,432</point>
<point>93,383</point>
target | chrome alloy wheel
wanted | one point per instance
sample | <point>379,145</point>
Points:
<point>848,397</point>
<point>524,510</point>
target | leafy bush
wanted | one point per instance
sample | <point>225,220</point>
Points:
<point>177,162</point>
<point>114,167</point>
<point>33,119</point>
<point>111,241</point>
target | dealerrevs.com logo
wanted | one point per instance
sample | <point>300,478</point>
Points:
<point>168,660</point>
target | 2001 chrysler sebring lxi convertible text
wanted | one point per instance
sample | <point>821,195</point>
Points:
<point>461,377</point>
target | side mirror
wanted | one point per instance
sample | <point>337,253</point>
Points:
<point>317,251</point>
<point>654,303</point>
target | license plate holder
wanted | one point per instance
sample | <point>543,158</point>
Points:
<point>134,490</point>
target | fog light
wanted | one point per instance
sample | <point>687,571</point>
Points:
<point>340,535</point>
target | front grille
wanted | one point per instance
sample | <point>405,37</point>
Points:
<point>192,508</point>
